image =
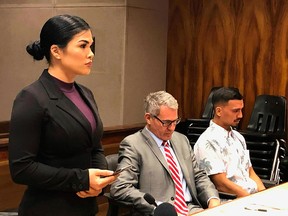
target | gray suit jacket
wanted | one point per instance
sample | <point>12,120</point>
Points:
<point>150,173</point>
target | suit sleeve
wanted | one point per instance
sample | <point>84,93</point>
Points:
<point>126,186</point>
<point>204,186</point>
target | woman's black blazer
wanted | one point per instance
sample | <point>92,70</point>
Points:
<point>51,146</point>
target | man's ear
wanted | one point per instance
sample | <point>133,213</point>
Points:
<point>55,51</point>
<point>147,117</point>
<point>218,110</point>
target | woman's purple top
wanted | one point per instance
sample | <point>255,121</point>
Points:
<point>71,92</point>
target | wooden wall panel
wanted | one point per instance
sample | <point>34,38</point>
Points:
<point>280,47</point>
<point>240,43</point>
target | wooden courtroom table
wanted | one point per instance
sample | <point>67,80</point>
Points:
<point>272,202</point>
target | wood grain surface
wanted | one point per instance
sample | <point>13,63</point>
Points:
<point>240,43</point>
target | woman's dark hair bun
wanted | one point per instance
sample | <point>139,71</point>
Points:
<point>35,50</point>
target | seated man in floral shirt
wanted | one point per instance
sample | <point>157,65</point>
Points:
<point>222,151</point>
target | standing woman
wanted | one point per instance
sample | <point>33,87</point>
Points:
<point>55,128</point>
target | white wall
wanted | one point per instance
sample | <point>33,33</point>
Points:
<point>130,61</point>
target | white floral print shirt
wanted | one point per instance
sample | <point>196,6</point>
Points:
<point>218,150</point>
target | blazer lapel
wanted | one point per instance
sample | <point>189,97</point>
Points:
<point>69,107</point>
<point>90,103</point>
<point>63,102</point>
<point>182,162</point>
<point>177,150</point>
<point>156,151</point>
<point>189,177</point>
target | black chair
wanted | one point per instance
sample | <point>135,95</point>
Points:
<point>116,207</point>
<point>208,109</point>
<point>284,169</point>
<point>112,161</point>
<point>268,118</point>
<point>264,157</point>
<point>195,127</point>
<point>265,136</point>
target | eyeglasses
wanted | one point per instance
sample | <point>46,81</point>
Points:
<point>167,123</point>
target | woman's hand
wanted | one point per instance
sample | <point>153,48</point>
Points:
<point>98,179</point>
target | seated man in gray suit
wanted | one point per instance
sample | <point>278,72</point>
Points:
<point>163,164</point>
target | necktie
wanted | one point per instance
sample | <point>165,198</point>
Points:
<point>179,203</point>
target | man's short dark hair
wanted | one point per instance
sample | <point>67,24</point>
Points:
<point>224,94</point>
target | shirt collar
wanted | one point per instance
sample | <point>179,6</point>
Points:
<point>156,139</point>
<point>221,130</point>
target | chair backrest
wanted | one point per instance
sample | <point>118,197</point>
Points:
<point>208,109</point>
<point>116,207</point>
<point>265,156</point>
<point>268,115</point>
<point>112,161</point>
